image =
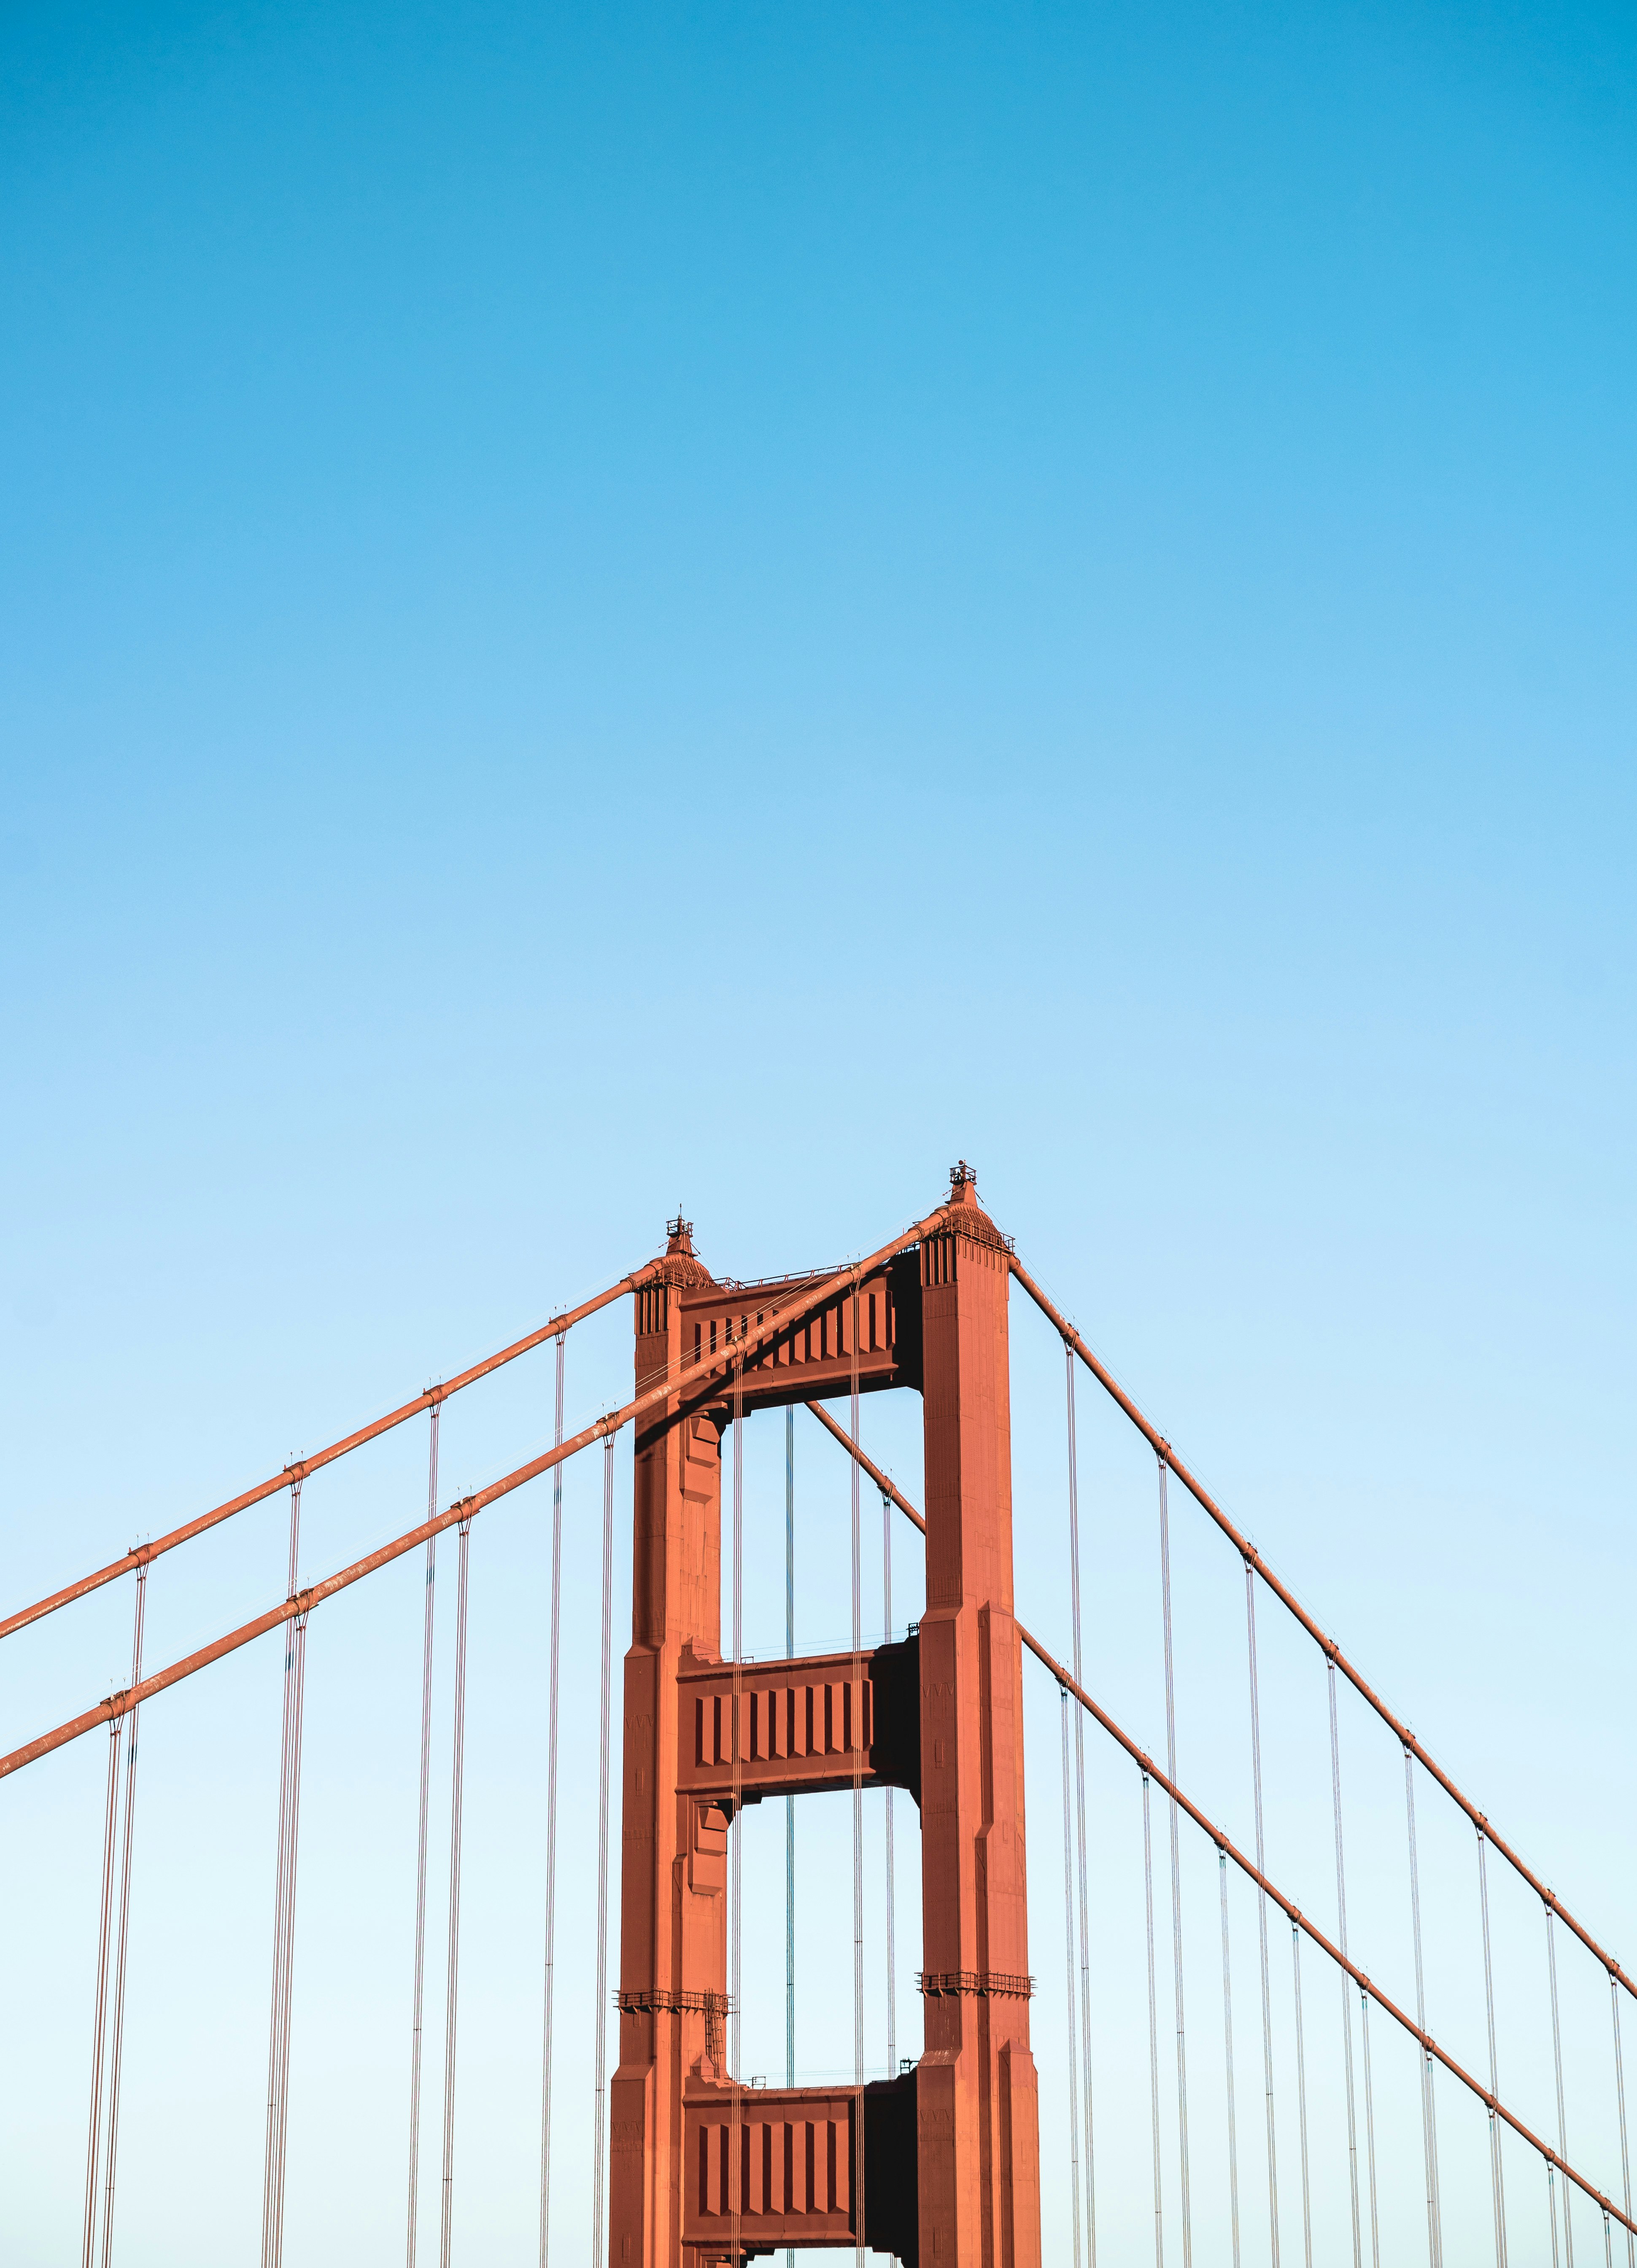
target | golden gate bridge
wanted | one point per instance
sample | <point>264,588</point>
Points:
<point>697,2166</point>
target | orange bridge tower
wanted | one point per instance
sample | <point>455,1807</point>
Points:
<point>941,2164</point>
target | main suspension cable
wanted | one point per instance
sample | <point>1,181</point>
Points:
<point>1153,2030</point>
<point>1429,2129</point>
<point>1254,1874</point>
<point>1227,2055</point>
<point>302,1469</point>
<point>601,2019</point>
<point>1346,1988</point>
<point>552,1694</point>
<point>1497,2182</point>
<point>457,1799</point>
<point>429,1605</point>
<point>1267,1997</point>
<point>1288,1599</point>
<point>116,2052</point>
<point>1068,1954</point>
<point>1177,1877</point>
<point>704,1386</point>
<point>1079,1813</point>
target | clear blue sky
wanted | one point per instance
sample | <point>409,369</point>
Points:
<point>723,604</point>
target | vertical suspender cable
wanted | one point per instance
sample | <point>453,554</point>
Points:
<point>428,1610</point>
<point>552,1692</point>
<point>892,1899</point>
<point>1619,2092</point>
<point>457,1793</point>
<point>1267,1998</point>
<point>1153,2030</point>
<point>1496,2181</point>
<point>1227,2053</point>
<point>599,2027</point>
<point>1556,2061</point>
<point>736,2173</point>
<point>93,2140</point>
<point>1429,2130</point>
<point>283,1910</point>
<point>1302,2098</point>
<point>1068,1955</point>
<point>1080,1802</point>
<point>299,1628</point>
<point>106,2048</point>
<point>117,2043</point>
<point>1346,1982</point>
<point>857,1800</point>
<point>1176,1876</point>
<point>790,1801</point>
<point>1369,2126</point>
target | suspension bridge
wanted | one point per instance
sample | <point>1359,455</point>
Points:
<point>938,2163</point>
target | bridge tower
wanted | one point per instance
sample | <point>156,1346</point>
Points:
<point>941,2163</point>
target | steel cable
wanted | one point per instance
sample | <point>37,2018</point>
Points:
<point>1068,1951</point>
<point>1346,1986</point>
<point>1619,2089</point>
<point>116,2056</point>
<point>1302,2098</point>
<point>1267,1997</point>
<point>429,1606</point>
<point>99,2021</point>
<point>1429,2129</point>
<point>1369,2127</point>
<point>457,1801</point>
<point>283,1910</point>
<point>599,2023</point>
<point>1153,2031</point>
<point>553,1692</point>
<point>1079,1809</point>
<point>1497,2179</point>
<point>1228,2056</point>
<point>1557,2063</point>
<point>1177,1877</point>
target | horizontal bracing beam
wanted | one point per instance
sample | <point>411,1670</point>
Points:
<point>809,1725</point>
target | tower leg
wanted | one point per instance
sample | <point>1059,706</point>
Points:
<point>978,2115</point>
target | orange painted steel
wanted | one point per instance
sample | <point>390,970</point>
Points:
<point>1225,1844</point>
<point>298,1469</point>
<point>702,2172</point>
<point>1320,1637</point>
<point>708,1380</point>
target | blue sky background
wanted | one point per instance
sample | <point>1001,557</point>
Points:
<point>608,606</point>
